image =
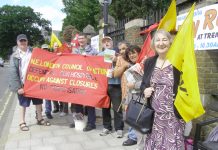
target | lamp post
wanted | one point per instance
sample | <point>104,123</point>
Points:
<point>105,4</point>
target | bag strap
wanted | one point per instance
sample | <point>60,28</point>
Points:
<point>138,99</point>
<point>143,106</point>
<point>120,106</point>
<point>147,102</point>
<point>20,72</point>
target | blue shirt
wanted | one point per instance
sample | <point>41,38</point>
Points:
<point>88,50</point>
<point>111,81</point>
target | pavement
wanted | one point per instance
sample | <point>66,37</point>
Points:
<point>59,136</point>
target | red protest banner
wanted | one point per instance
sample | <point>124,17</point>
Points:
<point>69,78</point>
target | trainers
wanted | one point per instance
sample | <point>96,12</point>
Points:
<point>119,133</point>
<point>105,132</point>
<point>62,114</point>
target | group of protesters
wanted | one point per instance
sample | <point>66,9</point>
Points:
<point>155,77</point>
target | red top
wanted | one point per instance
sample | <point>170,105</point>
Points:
<point>74,42</point>
<point>65,48</point>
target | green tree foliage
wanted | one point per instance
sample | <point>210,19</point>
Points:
<point>80,13</point>
<point>15,20</point>
<point>131,9</point>
<point>83,12</point>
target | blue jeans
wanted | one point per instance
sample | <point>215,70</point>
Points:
<point>48,108</point>
<point>132,134</point>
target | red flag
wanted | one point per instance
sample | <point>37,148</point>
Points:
<point>146,49</point>
<point>150,28</point>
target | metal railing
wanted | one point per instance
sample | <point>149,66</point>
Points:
<point>117,33</point>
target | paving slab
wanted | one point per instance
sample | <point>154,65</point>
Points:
<point>59,136</point>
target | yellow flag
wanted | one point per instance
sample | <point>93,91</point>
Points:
<point>168,23</point>
<point>54,39</point>
<point>182,56</point>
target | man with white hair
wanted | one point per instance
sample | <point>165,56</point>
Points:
<point>18,68</point>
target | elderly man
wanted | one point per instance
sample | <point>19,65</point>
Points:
<point>114,92</point>
<point>18,68</point>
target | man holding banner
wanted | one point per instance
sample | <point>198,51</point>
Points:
<point>18,69</point>
<point>85,49</point>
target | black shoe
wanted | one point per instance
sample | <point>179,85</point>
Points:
<point>88,128</point>
<point>55,111</point>
<point>49,116</point>
<point>72,125</point>
<point>129,142</point>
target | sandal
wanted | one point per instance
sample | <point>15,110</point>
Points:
<point>24,127</point>
<point>43,122</point>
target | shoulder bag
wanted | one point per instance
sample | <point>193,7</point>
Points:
<point>140,115</point>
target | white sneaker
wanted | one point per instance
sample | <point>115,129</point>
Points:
<point>105,132</point>
<point>119,133</point>
<point>62,114</point>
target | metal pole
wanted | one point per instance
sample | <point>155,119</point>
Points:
<point>105,13</point>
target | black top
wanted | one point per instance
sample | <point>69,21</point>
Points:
<point>148,70</point>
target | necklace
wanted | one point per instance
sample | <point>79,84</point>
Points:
<point>161,68</point>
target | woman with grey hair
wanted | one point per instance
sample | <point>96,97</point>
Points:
<point>159,85</point>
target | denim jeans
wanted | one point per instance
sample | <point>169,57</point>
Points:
<point>48,108</point>
<point>132,134</point>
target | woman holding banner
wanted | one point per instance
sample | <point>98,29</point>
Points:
<point>160,84</point>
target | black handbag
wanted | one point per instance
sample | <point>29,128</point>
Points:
<point>140,116</point>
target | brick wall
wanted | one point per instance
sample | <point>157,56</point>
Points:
<point>132,32</point>
<point>133,37</point>
<point>207,63</point>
